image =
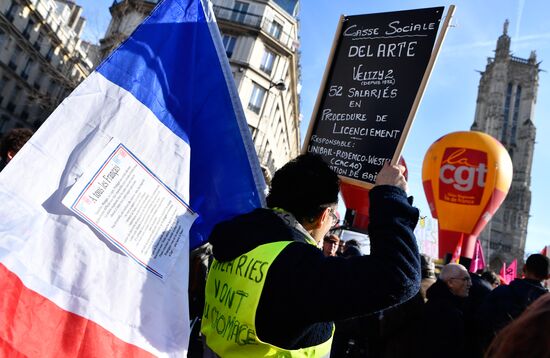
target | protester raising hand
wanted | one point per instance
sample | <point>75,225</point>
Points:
<point>392,175</point>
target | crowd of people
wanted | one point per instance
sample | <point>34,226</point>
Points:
<point>457,314</point>
<point>276,282</point>
<point>312,294</point>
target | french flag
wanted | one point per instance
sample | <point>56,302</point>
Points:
<point>167,98</point>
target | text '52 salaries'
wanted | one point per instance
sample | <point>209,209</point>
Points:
<point>377,65</point>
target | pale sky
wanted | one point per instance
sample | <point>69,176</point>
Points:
<point>449,101</point>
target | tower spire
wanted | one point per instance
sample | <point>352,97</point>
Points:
<point>503,43</point>
<point>505,27</point>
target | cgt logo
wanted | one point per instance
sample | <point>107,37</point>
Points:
<point>462,176</point>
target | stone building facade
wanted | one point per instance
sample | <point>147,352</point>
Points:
<point>505,109</point>
<point>41,59</point>
<point>261,42</point>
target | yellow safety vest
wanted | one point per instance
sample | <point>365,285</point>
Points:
<point>233,291</point>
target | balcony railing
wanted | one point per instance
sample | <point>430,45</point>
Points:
<point>519,59</point>
<point>512,58</point>
<point>237,16</point>
<point>254,21</point>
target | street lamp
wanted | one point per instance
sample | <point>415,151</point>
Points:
<point>278,85</point>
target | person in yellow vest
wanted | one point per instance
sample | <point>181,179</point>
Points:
<point>269,283</point>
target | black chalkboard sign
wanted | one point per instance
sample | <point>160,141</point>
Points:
<point>366,102</point>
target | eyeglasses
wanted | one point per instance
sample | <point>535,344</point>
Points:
<point>333,216</point>
<point>466,279</point>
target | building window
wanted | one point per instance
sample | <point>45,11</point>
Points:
<point>276,29</point>
<point>3,38</point>
<point>28,28</point>
<point>229,44</point>
<point>49,54</point>
<point>13,99</point>
<point>14,58</point>
<point>3,123</point>
<point>256,99</point>
<point>52,87</point>
<point>3,84</point>
<point>38,43</point>
<point>11,11</point>
<point>275,124</point>
<point>268,60</point>
<point>239,12</point>
<point>27,69</point>
<point>517,104</point>
<point>506,113</point>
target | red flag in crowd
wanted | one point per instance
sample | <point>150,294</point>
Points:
<point>511,271</point>
<point>458,250</point>
<point>502,273</point>
<point>478,260</point>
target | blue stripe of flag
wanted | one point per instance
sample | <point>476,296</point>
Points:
<point>175,65</point>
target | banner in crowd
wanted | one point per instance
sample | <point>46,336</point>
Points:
<point>511,271</point>
<point>99,209</point>
<point>546,252</point>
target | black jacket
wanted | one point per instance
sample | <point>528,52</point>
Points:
<point>443,323</point>
<point>504,304</point>
<point>478,292</point>
<point>305,291</point>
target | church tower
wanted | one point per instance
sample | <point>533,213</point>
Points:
<point>505,109</point>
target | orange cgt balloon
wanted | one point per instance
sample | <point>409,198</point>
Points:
<point>466,176</point>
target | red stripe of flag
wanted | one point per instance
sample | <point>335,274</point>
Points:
<point>33,326</point>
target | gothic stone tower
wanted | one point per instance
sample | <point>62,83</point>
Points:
<point>505,109</point>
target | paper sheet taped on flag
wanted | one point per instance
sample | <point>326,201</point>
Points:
<point>127,203</point>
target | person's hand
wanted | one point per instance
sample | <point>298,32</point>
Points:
<point>392,175</point>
